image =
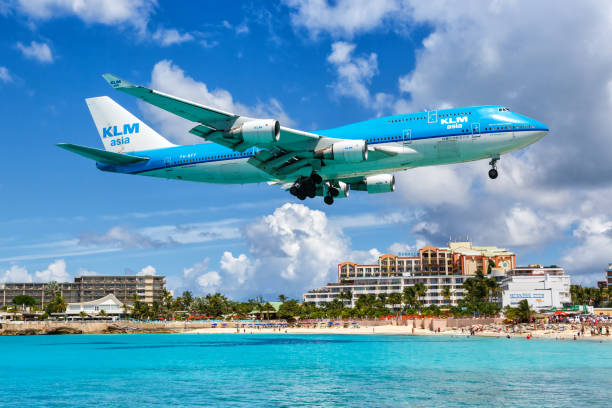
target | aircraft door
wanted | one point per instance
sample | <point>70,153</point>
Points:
<point>167,162</point>
<point>432,116</point>
<point>475,130</point>
<point>406,138</point>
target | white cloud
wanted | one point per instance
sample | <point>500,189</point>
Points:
<point>54,272</point>
<point>147,270</point>
<point>38,51</point>
<point>119,237</point>
<point>209,282</point>
<point>353,73</point>
<point>5,75</point>
<point>134,13</point>
<point>342,18</point>
<point>594,252</point>
<point>436,185</point>
<point>196,278</point>
<point>240,268</point>
<point>170,78</point>
<point>171,36</point>
<point>17,274</point>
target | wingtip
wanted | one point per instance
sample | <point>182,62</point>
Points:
<point>115,81</point>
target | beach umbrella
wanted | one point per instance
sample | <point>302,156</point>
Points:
<point>560,313</point>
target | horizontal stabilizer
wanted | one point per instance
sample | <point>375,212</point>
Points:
<point>102,156</point>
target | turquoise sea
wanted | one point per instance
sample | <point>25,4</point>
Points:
<point>301,370</point>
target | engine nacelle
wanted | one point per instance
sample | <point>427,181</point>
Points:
<point>258,131</point>
<point>380,183</point>
<point>348,151</point>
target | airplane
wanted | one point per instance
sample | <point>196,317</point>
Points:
<point>361,156</point>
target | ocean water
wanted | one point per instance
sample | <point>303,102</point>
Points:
<point>177,370</point>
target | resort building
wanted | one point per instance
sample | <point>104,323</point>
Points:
<point>609,275</point>
<point>542,287</point>
<point>436,268</point>
<point>89,288</point>
<point>109,304</point>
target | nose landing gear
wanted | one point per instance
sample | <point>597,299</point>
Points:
<point>493,163</point>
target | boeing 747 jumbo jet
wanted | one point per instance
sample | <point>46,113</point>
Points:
<point>361,156</point>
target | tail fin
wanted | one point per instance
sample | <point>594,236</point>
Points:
<point>121,131</point>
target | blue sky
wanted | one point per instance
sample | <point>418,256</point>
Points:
<point>311,64</point>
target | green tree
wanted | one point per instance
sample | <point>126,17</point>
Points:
<point>419,291</point>
<point>289,310</point>
<point>24,301</point>
<point>57,305</point>
<point>282,298</point>
<point>51,290</point>
<point>102,313</point>
<point>267,308</point>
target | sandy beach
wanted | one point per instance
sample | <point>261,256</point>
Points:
<point>567,333</point>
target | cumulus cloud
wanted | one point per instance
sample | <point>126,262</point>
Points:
<point>342,18</point>
<point>196,278</point>
<point>147,270</point>
<point>134,13</point>
<point>544,193</point>
<point>170,78</point>
<point>240,268</point>
<point>56,271</point>
<point>353,73</point>
<point>5,75</point>
<point>37,51</point>
<point>16,273</point>
<point>170,36</point>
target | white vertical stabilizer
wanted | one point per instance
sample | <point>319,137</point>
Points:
<point>121,131</point>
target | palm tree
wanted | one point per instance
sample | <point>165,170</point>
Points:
<point>446,293</point>
<point>395,299</point>
<point>524,311</point>
<point>493,288</point>
<point>345,295</point>
<point>51,290</point>
<point>409,296</point>
<point>282,298</point>
<point>419,290</point>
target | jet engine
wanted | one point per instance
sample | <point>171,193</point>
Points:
<point>258,131</point>
<point>380,183</point>
<point>348,151</point>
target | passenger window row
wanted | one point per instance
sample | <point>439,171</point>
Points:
<point>510,127</point>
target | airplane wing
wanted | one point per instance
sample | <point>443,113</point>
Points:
<point>102,156</point>
<point>292,153</point>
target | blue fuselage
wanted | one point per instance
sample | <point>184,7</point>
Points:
<point>417,139</point>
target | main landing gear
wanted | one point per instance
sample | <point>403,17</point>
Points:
<point>493,172</point>
<point>306,186</point>
<point>331,193</point>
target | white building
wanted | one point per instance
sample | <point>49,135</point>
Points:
<point>543,288</point>
<point>109,304</point>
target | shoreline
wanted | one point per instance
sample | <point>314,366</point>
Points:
<point>497,331</point>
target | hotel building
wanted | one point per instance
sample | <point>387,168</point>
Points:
<point>436,268</point>
<point>542,287</point>
<point>90,288</point>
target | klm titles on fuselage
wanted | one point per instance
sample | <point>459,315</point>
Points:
<point>119,136</point>
<point>454,123</point>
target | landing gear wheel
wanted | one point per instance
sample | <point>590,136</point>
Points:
<point>301,196</point>
<point>329,200</point>
<point>493,174</point>
<point>334,192</point>
<point>312,193</point>
<point>316,178</point>
<point>293,191</point>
